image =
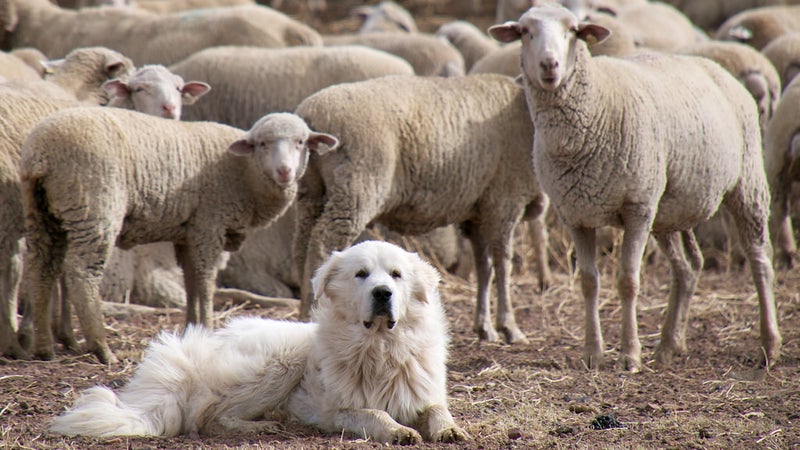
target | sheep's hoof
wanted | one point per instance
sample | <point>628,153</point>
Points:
<point>630,363</point>
<point>15,351</point>
<point>105,355</point>
<point>663,356</point>
<point>43,355</point>
<point>487,333</point>
<point>593,360</point>
<point>770,354</point>
<point>513,335</point>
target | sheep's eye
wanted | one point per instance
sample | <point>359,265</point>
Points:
<point>138,90</point>
<point>363,273</point>
<point>396,274</point>
<point>301,142</point>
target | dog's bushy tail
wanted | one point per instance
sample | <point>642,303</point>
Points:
<point>100,412</point>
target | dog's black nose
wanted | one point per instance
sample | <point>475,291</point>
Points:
<point>381,294</point>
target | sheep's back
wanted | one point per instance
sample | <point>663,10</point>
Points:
<point>440,143</point>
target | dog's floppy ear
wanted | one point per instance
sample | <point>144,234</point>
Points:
<point>324,274</point>
<point>426,280</point>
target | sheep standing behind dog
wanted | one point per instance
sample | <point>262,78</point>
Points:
<point>420,153</point>
<point>620,142</point>
<point>93,178</point>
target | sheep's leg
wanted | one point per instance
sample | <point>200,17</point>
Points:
<point>502,249</point>
<point>482,323</point>
<point>10,274</point>
<point>43,264</point>
<point>62,318</point>
<point>637,222</point>
<point>780,227</point>
<point>539,240</point>
<point>584,239</point>
<point>199,261</point>
<point>83,272</point>
<point>751,219</point>
<point>684,280</point>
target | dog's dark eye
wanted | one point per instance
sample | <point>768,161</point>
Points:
<point>396,274</point>
<point>362,274</point>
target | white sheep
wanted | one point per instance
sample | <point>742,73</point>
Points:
<point>249,82</point>
<point>385,16</point>
<point>154,89</point>
<point>169,37</point>
<point>651,143</point>
<point>473,43</point>
<point>784,53</point>
<point>782,164</point>
<point>21,106</point>
<point>419,153</point>
<point>427,54</point>
<point>94,177</point>
<point>759,26</point>
<point>171,6</point>
<point>14,68</point>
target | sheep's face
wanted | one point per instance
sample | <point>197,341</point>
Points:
<point>156,91</point>
<point>549,34</point>
<point>279,143</point>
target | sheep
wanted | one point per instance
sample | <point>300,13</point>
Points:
<point>709,14</point>
<point>760,26</point>
<point>21,106</point>
<point>418,153</point>
<point>504,60</point>
<point>170,37</point>
<point>652,144</point>
<point>155,90</point>
<point>33,58</point>
<point>473,43</point>
<point>386,16</point>
<point>250,81</point>
<point>93,178</point>
<point>750,67</point>
<point>782,164</point>
<point>512,9</point>
<point>658,26</point>
<point>171,6</point>
<point>427,54</point>
<point>784,53</point>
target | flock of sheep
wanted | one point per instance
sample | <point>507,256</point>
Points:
<point>625,113</point>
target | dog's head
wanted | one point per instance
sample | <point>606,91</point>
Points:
<point>375,284</point>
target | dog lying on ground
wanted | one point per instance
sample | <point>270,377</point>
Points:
<point>373,364</point>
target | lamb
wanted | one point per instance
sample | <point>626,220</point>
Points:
<point>250,81</point>
<point>170,37</point>
<point>14,68</point>
<point>760,26</point>
<point>386,16</point>
<point>21,106</point>
<point>750,67</point>
<point>784,53</point>
<point>206,205</point>
<point>402,137</point>
<point>33,58</point>
<point>473,43</point>
<point>427,54</point>
<point>155,90</point>
<point>782,164</point>
<point>605,157</point>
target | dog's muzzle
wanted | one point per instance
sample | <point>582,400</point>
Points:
<point>382,306</point>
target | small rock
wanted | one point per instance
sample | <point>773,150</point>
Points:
<point>514,434</point>
<point>705,433</point>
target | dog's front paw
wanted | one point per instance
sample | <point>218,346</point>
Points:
<point>450,435</point>
<point>406,436</point>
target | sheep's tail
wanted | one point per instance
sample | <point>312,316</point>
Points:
<point>100,412</point>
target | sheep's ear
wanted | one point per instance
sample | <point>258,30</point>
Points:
<point>192,91</point>
<point>8,17</point>
<point>242,147</point>
<point>324,274</point>
<point>117,88</point>
<point>114,68</point>
<point>426,280</point>
<point>520,80</point>
<point>322,143</point>
<point>52,65</point>
<point>362,12</point>
<point>592,33</point>
<point>506,32</point>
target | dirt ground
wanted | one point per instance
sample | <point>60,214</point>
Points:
<point>523,396</point>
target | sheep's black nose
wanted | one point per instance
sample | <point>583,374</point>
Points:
<point>381,294</point>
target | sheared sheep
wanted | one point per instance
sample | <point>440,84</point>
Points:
<point>473,43</point>
<point>169,37</point>
<point>14,68</point>
<point>249,82</point>
<point>94,177</point>
<point>385,16</point>
<point>402,137</point>
<point>651,143</point>
<point>21,106</point>
<point>784,53</point>
<point>759,26</point>
<point>427,54</point>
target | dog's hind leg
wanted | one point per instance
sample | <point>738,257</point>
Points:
<point>436,424</point>
<point>377,425</point>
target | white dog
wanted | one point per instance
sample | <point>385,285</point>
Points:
<point>373,364</point>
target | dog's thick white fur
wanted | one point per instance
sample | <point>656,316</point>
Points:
<point>373,364</point>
